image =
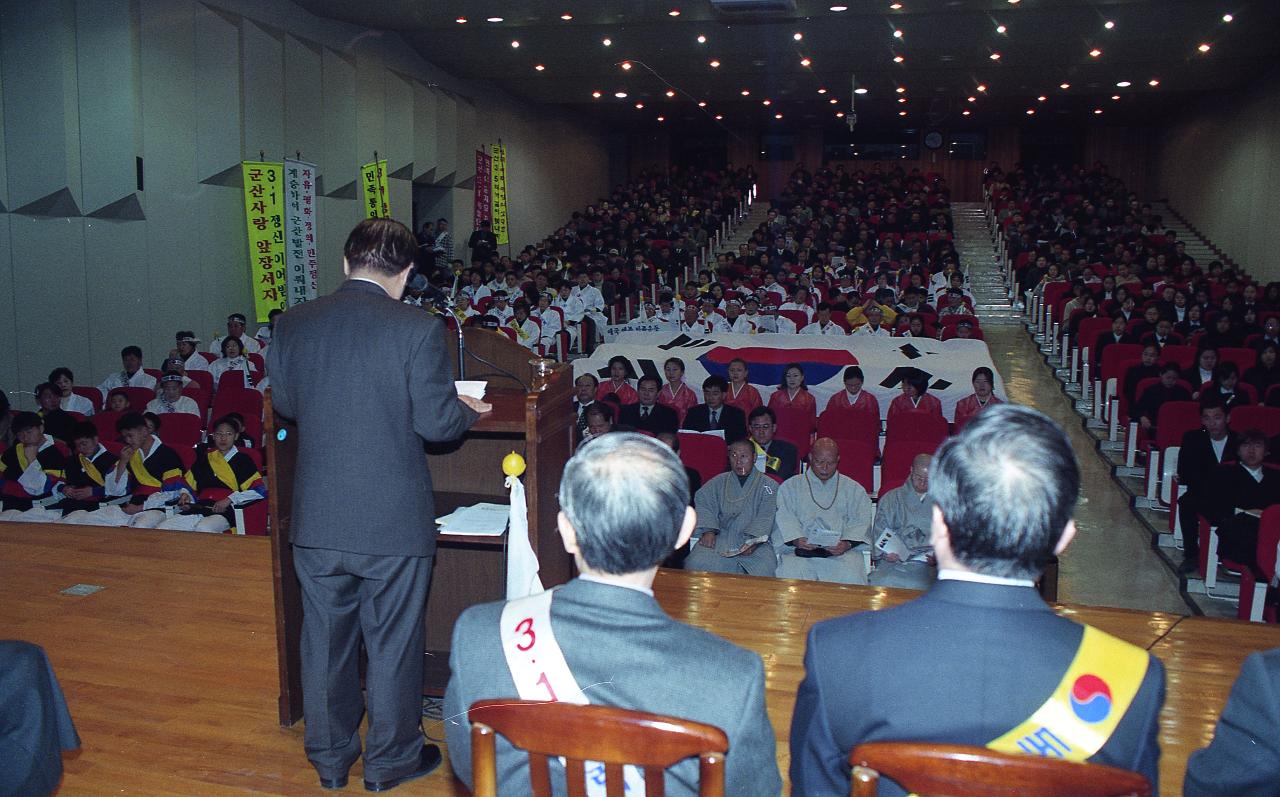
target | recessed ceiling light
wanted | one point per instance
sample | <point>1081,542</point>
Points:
<point>895,6</point>
<point>639,106</point>
<point>662,118</point>
<point>539,67</point>
<point>1001,29</point>
<point>719,117</point>
<point>566,16</point>
<point>1204,48</point>
<point>833,100</point>
<point>702,39</point>
<point>675,12</point>
<point>901,89</point>
<point>1014,2</point>
<point>746,92</point>
<point>461,20</point>
<point>1153,82</point>
<point>995,56</point>
<point>777,116</point>
<point>1041,98</point>
<point>671,93</point>
<point>805,62</point>
<point>897,34</point>
<point>515,44</point>
<point>1115,96</point>
<point>897,59</point>
<point>839,8</point>
<point>622,95</point>
<point>1031,112</point>
<point>1095,52</point>
<point>839,114</point>
<point>606,42</point>
<point>596,94</point>
<point>822,91</point>
<point>766,102</point>
<point>714,64</point>
<point>1227,18</point>
<point>902,99</point>
<point>972,99</point>
<point>1109,25</point>
<point>1097,111</point>
<point>966,112</point>
<point>1123,84</point>
<point>902,113</point>
<point>494,19</point>
<point>702,103</point>
<point>859,91</point>
<point>797,35</point>
<point>1064,86</point>
<point>982,87</point>
<point>626,64</point>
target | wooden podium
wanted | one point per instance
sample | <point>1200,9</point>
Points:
<point>467,569</point>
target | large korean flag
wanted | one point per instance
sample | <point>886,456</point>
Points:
<point>884,361</point>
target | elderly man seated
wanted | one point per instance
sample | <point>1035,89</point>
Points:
<point>823,517</point>
<point>903,551</point>
<point>735,518</point>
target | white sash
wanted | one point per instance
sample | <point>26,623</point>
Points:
<point>540,672</point>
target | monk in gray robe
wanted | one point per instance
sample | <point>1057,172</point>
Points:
<point>823,520</point>
<point>735,518</point>
<point>905,515</point>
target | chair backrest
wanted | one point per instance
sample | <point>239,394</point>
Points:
<point>139,397</point>
<point>246,402</point>
<point>233,381</point>
<point>1242,357</point>
<point>844,423</point>
<point>895,466</point>
<point>1173,420</point>
<point>181,429</point>
<point>1256,417</point>
<point>923,426</point>
<point>796,317</point>
<point>1268,540</point>
<point>705,453</point>
<point>857,461</point>
<point>952,320</point>
<point>952,770</point>
<point>1183,355</point>
<point>796,427</point>
<point>1114,355</point>
<point>196,392</point>
<point>1089,330</point>
<point>1055,291</point>
<point>611,736</point>
<point>203,378</point>
<point>105,422</point>
<point>92,393</point>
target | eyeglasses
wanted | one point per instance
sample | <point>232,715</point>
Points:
<point>761,426</point>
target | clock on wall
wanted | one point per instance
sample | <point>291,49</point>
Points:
<point>933,139</point>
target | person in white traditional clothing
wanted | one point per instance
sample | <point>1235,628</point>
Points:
<point>263,335</point>
<point>823,519</point>
<point>873,327</point>
<point>902,548</point>
<point>528,333</point>
<point>824,325</point>
<point>735,519</point>
<point>70,401</point>
<point>751,322</point>
<point>235,329</point>
<point>475,289</point>
<point>186,346</point>
<point>549,321</point>
<point>592,302</point>
<point>693,324</point>
<point>171,399</point>
<point>714,321</point>
<point>462,309</point>
<point>130,374</point>
<point>233,359</point>
<point>572,309</point>
<point>501,309</point>
<point>800,304</point>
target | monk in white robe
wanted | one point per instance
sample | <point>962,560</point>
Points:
<point>823,520</point>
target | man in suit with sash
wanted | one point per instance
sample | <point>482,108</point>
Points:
<point>980,659</point>
<point>364,565</point>
<point>603,639</point>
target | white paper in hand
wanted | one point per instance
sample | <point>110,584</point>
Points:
<point>888,543</point>
<point>473,388</point>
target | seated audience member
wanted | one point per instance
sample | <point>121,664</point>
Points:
<point>954,304</point>
<point>584,396</point>
<point>1244,756</point>
<point>264,333</point>
<point>979,659</point>
<point>118,401</point>
<point>915,327</point>
<point>32,469</point>
<point>130,375</point>
<point>599,422</point>
<point>853,397</point>
<point>675,393</point>
<point>1163,335</point>
<point>715,414</point>
<point>58,423</point>
<point>623,511</point>
<point>964,330</point>
<point>735,518</point>
<point>592,302</point>
<point>235,329</point>
<point>800,303</point>
<point>1202,451</point>
<point>153,423</point>
<point>915,396</point>
<point>882,300</point>
<point>874,325</point>
<point>86,472</point>
<point>1201,370</point>
<point>148,471</point>
<point>171,398</point>
<point>1148,367</point>
<point>691,323</point>
<point>549,323</point>
<point>741,393</point>
<point>462,309</point>
<point>707,312</point>
<point>672,441</point>
<point>1226,377</point>
<point>1266,373</point>
<point>823,325</point>
<point>186,347</point>
<point>793,396</point>
<point>752,321</point>
<point>618,382</point>
<point>221,479</point>
<point>776,457</point>
<point>501,310</point>
<point>233,359</point>
<point>528,333</point>
<point>1238,494</point>
<point>1116,335</point>
<point>983,381</point>
<point>1147,407</point>
<point>647,415</point>
<point>823,519</point>
<point>64,380</point>
<point>902,545</point>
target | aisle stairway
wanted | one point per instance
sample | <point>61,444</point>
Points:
<point>980,261</point>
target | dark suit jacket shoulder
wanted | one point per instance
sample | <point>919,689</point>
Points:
<point>367,380</point>
<point>661,418</point>
<point>1196,460</point>
<point>962,664</point>
<point>788,458</point>
<point>732,420</point>
<point>624,651</point>
<point>1244,758</point>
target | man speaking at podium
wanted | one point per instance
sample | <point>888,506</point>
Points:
<point>358,365</point>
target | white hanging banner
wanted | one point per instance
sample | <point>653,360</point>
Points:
<point>522,560</point>
<point>301,262</point>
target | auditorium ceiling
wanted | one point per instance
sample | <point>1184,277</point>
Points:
<point>920,62</point>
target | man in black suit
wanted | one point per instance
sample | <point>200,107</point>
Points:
<point>364,565</point>
<point>584,396</point>
<point>980,659</point>
<point>715,414</point>
<point>648,415</point>
<point>1244,758</point>
<point>1238,495</point>
<point>777,457</point>
<point>1116,335</point>
<point>1201,451</point>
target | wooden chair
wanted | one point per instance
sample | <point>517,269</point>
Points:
<point>613,736</point>
<point>952,770</point>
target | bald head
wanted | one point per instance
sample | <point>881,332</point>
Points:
<point>824,457</point>
<point>920,472</point>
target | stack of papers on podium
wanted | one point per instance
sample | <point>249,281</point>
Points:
<point>488,520</point>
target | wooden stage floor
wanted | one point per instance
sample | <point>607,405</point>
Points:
<point>170,671</point>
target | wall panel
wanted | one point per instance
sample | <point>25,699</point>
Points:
<point>109,98</point>
<point>120,306</point>
<point>8,319</point>
<point>49,297</point>
<point>469,139</point>
<point>425,137</point>
<point>262,76</point>
<point>340,166</point>
<point>398,143</point>
<point>303,99</point>
<point>447,138</point>
<point>218,110</point>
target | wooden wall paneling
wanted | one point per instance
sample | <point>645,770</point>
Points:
<point>218,112</point>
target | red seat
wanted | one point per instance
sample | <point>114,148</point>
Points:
<point>796,427</point>
<point>92,393</point>
<point>923,427</point>
<point>1253,590</point>
<point>952,320</point>
<point>1087,336</point>
<point>181,429</point>
<point>796,317</point>
<point>1255,417</point>
<point>895,466</point>
<point>246,402</point>
<point>1183,355</point>
<point>202,378</point>
<point>208,356</point>
<point>234,381</point>
<point>255,514</point>
<point>185,453</point>
<point>1243,358</point>
<point>858,462</point>
<point>949,332</point>
<point>105,422</point>
<point>705,453</point>
<point>200,396</point>
<point>258,362</point>
<point>139,397</point>
<point>842,423</point>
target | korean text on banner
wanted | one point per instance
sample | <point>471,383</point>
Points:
<point>301,263</point>
<point>498,191</point>
<point>483,199</point>
<point>377,202</point>
<point>264,217</point>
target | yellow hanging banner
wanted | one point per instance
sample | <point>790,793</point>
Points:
<point>377,202</point>
<point>498,191</point>
<point>264,218</point>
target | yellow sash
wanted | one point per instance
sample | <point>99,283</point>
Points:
<point>140,472</point>
<point>218,464</point>
<point>1087,705</point>
<point>20,450</point>
<point>769,462</point>
<point>91,471</point>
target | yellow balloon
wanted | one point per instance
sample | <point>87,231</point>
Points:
<point>513,464</point>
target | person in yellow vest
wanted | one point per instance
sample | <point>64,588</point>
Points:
<point>980,659</point>
<point>222,478</point>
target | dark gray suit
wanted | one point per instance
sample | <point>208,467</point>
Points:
<point>1244,758</point>
<point>366,379</point>
<point>623,650</point>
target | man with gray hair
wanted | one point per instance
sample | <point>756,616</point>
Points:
<point>980,659</point>
<point>903,550</point>
<point>602,638</point>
